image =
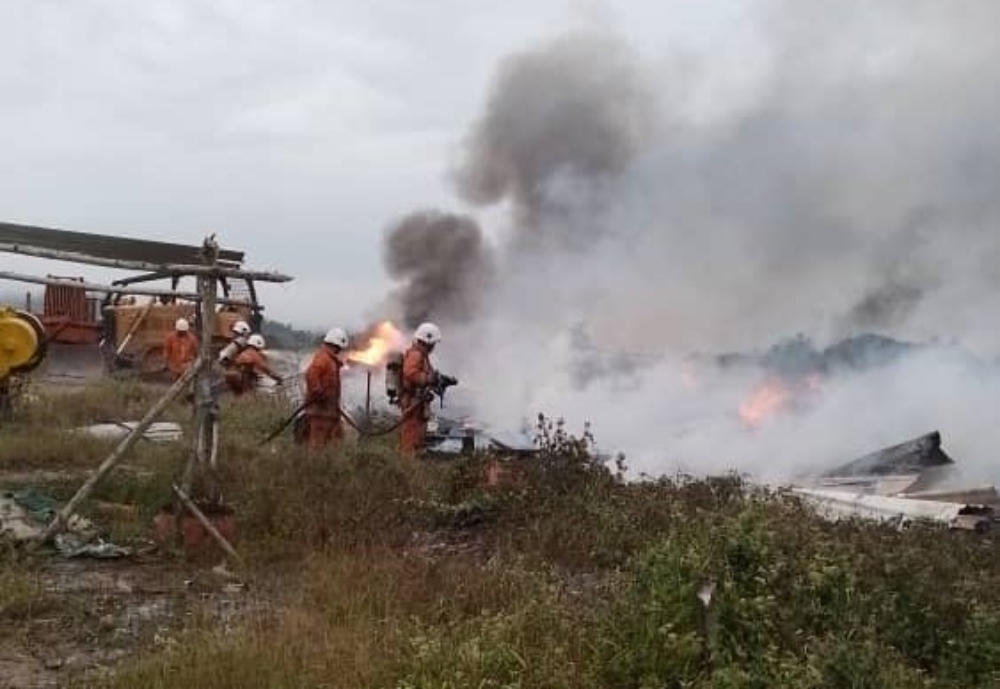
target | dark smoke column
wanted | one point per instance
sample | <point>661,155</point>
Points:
<point>443,263</point>
<point>562,121</point>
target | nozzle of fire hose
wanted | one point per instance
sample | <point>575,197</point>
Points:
<point>440,385</point>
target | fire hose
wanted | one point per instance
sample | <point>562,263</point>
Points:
<point>350,422</point>
<point>439,388</point>
<point>382,431</point>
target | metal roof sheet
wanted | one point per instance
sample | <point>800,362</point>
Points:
<point>107,246</point>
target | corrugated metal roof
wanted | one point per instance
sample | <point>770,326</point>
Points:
<point>107,246</point>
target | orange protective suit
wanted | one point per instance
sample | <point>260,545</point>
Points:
<point>416,376</point>
<point>249,365</point>
<point>180,349</point>
<point>323,396</point>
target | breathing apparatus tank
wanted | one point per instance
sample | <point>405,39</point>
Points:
<point>394,376</point>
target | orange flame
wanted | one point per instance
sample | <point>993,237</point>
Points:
<point>379,341</point>
<point>768,399</point>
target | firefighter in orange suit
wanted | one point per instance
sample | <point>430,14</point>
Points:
<point>180,348</point>
<point>417,378</point>
<point>249,366</point>
<point>323,391</point>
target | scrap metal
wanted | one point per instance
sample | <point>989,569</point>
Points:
<point>900,509</point>
<point>904,483</point>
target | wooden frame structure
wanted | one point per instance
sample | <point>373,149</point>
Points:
<point>212,266</point>
<point>153,260</point>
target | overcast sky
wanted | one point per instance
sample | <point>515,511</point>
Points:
<point>295,129</point>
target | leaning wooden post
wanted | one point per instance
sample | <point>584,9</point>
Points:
<point>212,531</point>
<point>62,517</point>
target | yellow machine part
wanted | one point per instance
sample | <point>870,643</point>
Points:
<point>20,343</point>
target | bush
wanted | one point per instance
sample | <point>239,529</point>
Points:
<point>380,571</point>
<point>796,602</point>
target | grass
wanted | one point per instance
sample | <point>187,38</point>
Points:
<point>21,593</point>
<point>380,572</point>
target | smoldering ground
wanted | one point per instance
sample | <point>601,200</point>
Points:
<point>850,187</point>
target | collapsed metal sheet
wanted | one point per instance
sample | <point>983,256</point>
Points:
<point>985,495</point>
<point>836,504</point>
<point>913,456</point>
<point>870,485</point>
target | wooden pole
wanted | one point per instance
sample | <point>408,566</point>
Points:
<point>212,531</point>
<point>111,289</point>
<point>62,517</point>
<point>205,402</point>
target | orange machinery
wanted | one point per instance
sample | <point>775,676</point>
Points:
<point>128,331</point>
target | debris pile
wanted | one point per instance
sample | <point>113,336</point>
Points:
<point>450,437</point>
<point>25,513</point>
<point>906,483</point>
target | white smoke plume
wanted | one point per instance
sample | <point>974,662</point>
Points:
<point>853,190</point>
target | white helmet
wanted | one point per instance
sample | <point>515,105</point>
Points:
<point>336,337</point>
<point>256,341</point>
<point>428,333</point>
<point>241,328</point>
<point>181,325</point>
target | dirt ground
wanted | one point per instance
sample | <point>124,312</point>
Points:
<point>84,615</point>
<point>97,612</point>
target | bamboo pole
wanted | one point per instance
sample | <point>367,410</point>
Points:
<point>170,268</point>
<point>111,289</point>
<point>62,517</point>
<point>209,527</point>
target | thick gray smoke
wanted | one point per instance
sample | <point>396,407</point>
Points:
<point>443,263</point>
<point>851,186</point>
<point>561,122</point>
